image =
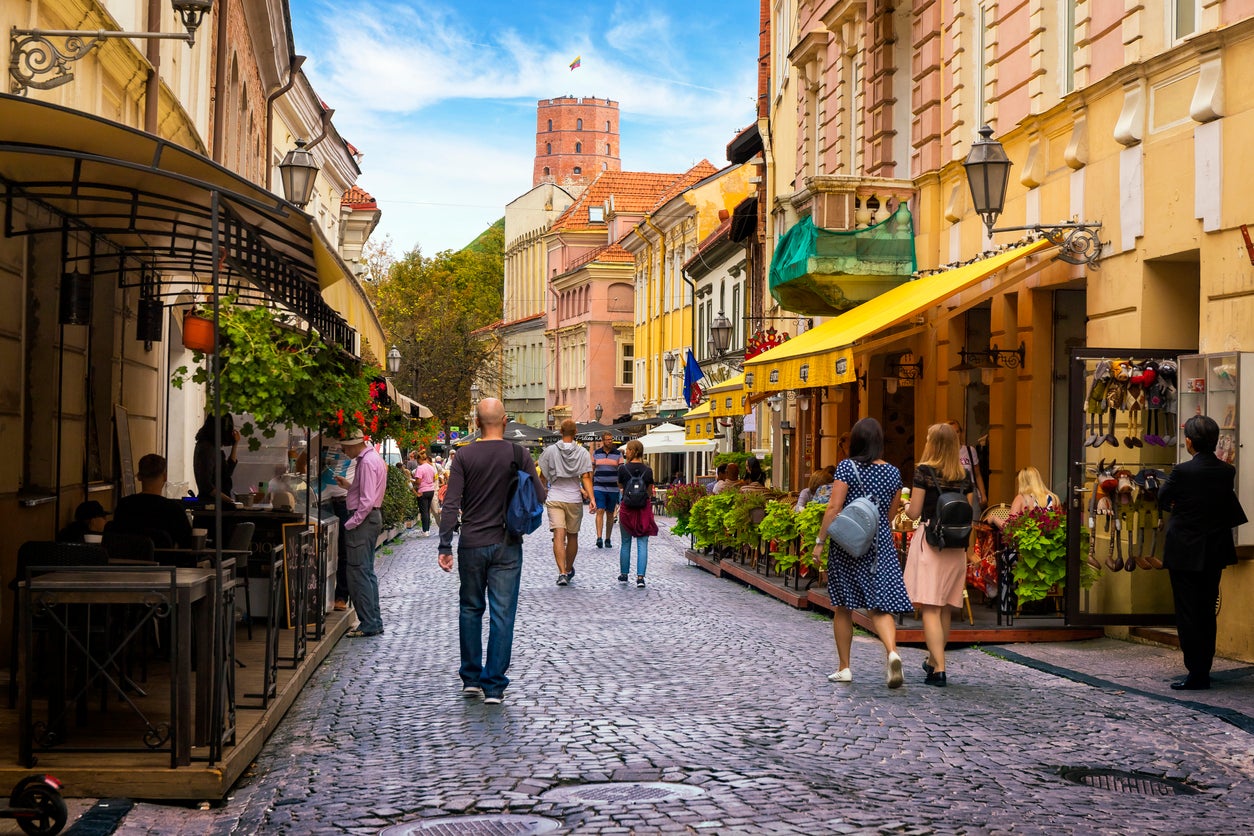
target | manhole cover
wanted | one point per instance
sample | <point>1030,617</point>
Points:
<point>490,824</point>
<point>1118,780</point>
<point>637,792</point>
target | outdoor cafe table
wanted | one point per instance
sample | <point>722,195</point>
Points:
<point>193,592</point>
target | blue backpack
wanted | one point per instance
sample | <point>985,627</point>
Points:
<point>524,512</point>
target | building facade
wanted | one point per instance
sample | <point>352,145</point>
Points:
<point>576,140</point>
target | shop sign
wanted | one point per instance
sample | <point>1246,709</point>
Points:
<point>774,376</point>
<point>804,372</point>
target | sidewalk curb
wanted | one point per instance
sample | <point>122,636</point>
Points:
<point>1244,722</point>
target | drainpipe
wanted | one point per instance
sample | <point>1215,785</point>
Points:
<point>219,82</point>
<point>327,113</point>
<point>636,231</point>
<point>152,91</point>
<point>297,60</point>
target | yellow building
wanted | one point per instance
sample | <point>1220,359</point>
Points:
<point>1127,118</point>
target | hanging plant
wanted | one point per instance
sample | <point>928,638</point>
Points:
<point>280,375</point>
<point>1039,535</point>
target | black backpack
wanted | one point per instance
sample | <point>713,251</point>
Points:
<point>635,492</point>
<point>950,525</point>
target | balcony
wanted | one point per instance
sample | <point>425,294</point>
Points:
<point>855,240</point>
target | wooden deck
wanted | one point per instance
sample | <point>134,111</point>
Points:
<point>984,630</point>
<point>149,776</point>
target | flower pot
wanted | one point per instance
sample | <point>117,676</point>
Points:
<point>198,333</point>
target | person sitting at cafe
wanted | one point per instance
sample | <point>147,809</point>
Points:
<point>149,512</point>
<point>89,518</point>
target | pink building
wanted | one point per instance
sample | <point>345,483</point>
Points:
<point>590,333</point>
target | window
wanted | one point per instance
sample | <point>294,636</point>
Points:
<point>1183,18</point>
<point>546,171</point>
<point>607,126</point>
<point>578,170</point>
<point>579,124</point>
<point>578,147</point>
<point>626,364</point>
<point>596,214</point>
<point>1066,63</point>
<point>605,166</point>
<point>548,148</point>
<point>607,148</point>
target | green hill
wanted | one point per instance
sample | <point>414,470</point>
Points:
<point>491,240</point>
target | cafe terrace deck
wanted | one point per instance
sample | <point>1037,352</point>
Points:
<point>149,775</point>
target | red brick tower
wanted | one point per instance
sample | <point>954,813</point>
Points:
<point>576,139</point>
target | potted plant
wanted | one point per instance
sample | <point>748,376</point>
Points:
<point>1039,536</point>
<point>679,502</point>
<point>198,332</point>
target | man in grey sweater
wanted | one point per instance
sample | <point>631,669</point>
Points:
<point>566,468</point>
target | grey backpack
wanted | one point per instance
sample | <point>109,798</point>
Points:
<point>853,530</point>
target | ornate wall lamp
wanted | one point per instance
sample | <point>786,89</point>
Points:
<point>900,371</point>
<point>988,172</point>
<point>35,61</point>
<point>984,362</point>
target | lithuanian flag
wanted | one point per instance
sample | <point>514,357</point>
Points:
<point>574,65</point>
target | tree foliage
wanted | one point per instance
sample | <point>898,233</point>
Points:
<point>431,308</point>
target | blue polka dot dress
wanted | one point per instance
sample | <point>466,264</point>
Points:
<point>873,581</point>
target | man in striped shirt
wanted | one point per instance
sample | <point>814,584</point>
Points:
<point>605,463</point>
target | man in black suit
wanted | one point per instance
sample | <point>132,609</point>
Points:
<point>1199,544</point>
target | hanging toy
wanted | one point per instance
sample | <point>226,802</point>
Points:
<point>1095,405</point>
<point>1107,485</point>
<point>1149,480</point>
<point>1167,377</point>
<point>1136,405</point>
<point>1116,397</point>
<point>1154,399</point>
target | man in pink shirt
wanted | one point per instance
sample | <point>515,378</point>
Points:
<point>365,521</point>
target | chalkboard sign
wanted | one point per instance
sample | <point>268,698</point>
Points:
<point>300,560</point>
<point>126,463</point>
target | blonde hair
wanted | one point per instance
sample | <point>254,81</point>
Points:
<point>633,449</point>
<point>1029,483</point>
<point>819,478</point>
<point>941,453</point>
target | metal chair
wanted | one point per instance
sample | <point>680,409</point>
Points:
<point>45,553</point>
<point>241,538</point>
<point>132,548</point>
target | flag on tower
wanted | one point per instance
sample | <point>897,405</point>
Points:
<point>574,65</point>
<point>692,373</point>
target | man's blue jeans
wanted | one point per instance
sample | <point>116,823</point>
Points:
<point>363,586</point>
<point>490,577</point>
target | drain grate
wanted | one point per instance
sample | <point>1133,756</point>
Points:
<point>1118,780</point>
<point>635,792</point>
<point>488,824</point>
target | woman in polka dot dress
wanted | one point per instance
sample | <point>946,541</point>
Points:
<point>873,581</point>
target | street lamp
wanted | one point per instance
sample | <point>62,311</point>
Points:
<point>298,172</point>
<point>474,393</point>
<point>721,333</point>
<point>394,360</point>
<point>598,412</point>
<point>32,56</point>
<point>988,173</point>
<point>668,360</point>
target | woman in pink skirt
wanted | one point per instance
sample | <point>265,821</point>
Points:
<point>935,577</point>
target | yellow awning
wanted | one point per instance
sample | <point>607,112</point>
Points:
<point>348,300</point>
<point>697,422</point>
<point>727,398</point>
<point>823,356</point>
<point>701,410</point>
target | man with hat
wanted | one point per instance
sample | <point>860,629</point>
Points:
<point>361,530</point>
<point>89,518</point>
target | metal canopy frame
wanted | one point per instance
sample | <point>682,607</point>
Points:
<point>157,206</point>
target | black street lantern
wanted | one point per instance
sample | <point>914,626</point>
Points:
<point>668,361</point>
<point>721,333</point>
<point>988,172</point>
<point>191,13</point>
<point>298,172</point>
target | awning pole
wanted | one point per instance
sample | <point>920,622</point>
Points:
<point>219,637</point>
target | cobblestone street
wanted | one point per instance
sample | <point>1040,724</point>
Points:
<point>700,681</point>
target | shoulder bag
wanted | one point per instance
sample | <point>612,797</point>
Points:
<point>853,530</point>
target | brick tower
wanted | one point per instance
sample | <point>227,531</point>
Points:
<point>576,139</point>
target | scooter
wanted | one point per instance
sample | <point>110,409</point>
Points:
<point>37,805</point>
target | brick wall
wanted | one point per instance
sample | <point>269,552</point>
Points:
<point>574,134</point>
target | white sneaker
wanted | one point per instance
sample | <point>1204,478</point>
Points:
<point>893,670</point>
<point>493,700</point>
<point>842,675</point>
<point>470,692</point>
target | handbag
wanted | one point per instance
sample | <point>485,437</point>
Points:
<point>853,530</point>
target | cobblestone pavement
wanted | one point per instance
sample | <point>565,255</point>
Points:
<point>700,681</point>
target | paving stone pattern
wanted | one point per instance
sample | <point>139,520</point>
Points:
<point>700,681</point>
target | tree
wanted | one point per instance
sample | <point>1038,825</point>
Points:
<point>431,308</point>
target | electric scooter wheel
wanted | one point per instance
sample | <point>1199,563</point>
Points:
<point>51,813</point>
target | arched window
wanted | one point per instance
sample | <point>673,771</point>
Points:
<point>579,124</point>
<point>607,126</point>
<point>578,147</point>
<point>550,124</point>
<point>546,171</point>
<point>607,148</point>
<point>578,170</point>
<point>548,148</point>
<point>605,166</point>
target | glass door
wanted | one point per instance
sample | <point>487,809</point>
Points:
<point>1122,444</point>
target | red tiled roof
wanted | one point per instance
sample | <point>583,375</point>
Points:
<point>633,191</point>
<point>692,176</point>
<point>358,198</point>
<point>615,254</point>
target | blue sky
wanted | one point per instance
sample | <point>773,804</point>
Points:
<point>440,97</point>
